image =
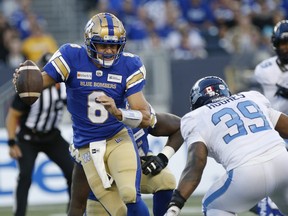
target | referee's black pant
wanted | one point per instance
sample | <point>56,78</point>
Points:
<point>54,146</point>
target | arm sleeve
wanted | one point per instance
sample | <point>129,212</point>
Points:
<point>189,130</point>
<point>274,116</point>
<point>136,76</point>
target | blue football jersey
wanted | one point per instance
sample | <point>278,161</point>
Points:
<point>85,81</point>
<point>141,139</point>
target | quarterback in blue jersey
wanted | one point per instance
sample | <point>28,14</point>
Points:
<point>158,180</point>
<point>99,77</point>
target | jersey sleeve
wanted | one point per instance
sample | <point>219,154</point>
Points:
<point>261,74</point>
<point>274,115</point>
<point>189,129</point>
<point>59,65</point>
<point>136,76</point>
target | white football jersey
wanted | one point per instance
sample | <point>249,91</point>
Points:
<point>237,130</point>
<point>268,74</point>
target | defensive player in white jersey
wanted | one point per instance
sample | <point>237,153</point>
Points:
<point>99,77</point>
<point>272,75</point>
<point>241,132</point>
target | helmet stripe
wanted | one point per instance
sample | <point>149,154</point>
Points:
<point>110,24</point>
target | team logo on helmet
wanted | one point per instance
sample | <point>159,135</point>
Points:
<point>208,90</point>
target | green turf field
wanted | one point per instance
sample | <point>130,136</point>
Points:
<point>192,208</point>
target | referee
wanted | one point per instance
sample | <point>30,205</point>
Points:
<point>34,129</point>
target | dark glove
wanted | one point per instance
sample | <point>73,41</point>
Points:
<point>153,164</point>
<point>177,200</point>
<point>282,91</point>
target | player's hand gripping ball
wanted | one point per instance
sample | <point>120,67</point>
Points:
<point>28,82</point>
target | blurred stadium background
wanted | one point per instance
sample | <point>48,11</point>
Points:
<point>179,41</point>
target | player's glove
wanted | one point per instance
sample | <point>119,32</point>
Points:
<point>282,91</point>
<point>154,164</point>
<point>173,211</point>
<point>176,204</point>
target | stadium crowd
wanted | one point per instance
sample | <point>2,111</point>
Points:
<point>23,34</point>
<point>196,28</point>
<point>189,29</point>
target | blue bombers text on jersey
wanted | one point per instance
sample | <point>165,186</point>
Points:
<point>85,81</point>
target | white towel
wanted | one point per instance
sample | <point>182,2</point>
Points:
<point>97,152</point>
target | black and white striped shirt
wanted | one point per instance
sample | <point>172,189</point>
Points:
<point>46,113</point>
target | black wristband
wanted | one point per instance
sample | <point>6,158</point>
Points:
<point>163,158</point>
<point>11,142</point>
<point>177,199</point>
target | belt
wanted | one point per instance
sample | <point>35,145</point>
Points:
<point>39,133</point>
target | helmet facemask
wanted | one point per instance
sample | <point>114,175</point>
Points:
<point>282,54</point>
<point>280,36</point>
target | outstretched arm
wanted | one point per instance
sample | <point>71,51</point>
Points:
<point>190,177</point>
<point>167,125</point>
<point>192,173</point>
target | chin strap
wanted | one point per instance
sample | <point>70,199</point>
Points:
<point>105,63</point>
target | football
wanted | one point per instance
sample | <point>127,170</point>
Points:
<point>29,84</point>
